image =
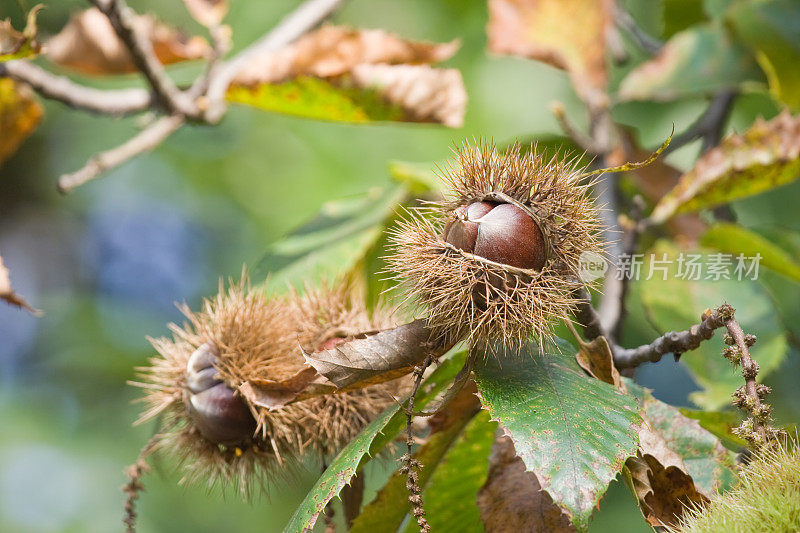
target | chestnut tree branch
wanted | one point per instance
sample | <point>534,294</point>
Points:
<point>709,126</point>
<point>646,42</point>
<point>675,342</point>
<point>295,25</point>
<point>145,140</point>
<point>123,20</point>
<point>114,103</point>
<point>204,101</point>
<point>759,431</point>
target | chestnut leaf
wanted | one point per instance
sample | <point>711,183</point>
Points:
<point>573,431</point>
<point>764,157</point>
<point>372,439</point>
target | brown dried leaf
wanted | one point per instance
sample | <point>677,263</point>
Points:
<point>426,94</point>
<point>9,296</point>
<point>272,394</point>
<point>664,492</point>
<point>596,359</point>
<point>334,51</point>
<point>376,357</point>
<point>20,113</point>
<point>512,500</point>
<point>568,34</point>
<point>89,44</point>
<point>207,12</point>
<point>765,156</point>
<point>368,60</point>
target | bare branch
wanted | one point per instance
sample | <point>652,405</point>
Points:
<point>587,317</point>
<point>62,89</point>
<point>709,126</point>
<point>646,42</point>
<point>147,139</point>
<point>295,25</point>
<point>581,139</point>
<point>123,20</point>
<point>674,342</point>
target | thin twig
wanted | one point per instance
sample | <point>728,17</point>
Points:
<point>570,130</point>
<point>147,139</point>
<point>134,487</point>
<point>295,25</point>
<point>709,126</point>
<point>61,89</point>
<point>630,240</point>
<point>646,42</point>
<point>123,19</point>
<point>676,342</point>
<point>411,466</point>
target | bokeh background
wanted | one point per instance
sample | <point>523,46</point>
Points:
<point>108,262</point>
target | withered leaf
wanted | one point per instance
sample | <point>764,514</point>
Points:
<point>679,463</point>
<point>20,113</point>
<point>376,357</point>
<point>7,293</point>
<point>207,12</point>
<point>20,44</point>
<point>765,156</point>
<point>426,94</point>
<point>346,68</point>
<point>88,44</point>
<point>568,34</point>
<point>273,394</point>
<point>596,359</point>
<point>663,493</point>
<point>512,501</point>
<point>334,51</point>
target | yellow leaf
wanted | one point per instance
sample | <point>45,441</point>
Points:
<point>20,113</point>
<point>568,34</point>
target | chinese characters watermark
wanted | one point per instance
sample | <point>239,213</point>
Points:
<point>685,266</point>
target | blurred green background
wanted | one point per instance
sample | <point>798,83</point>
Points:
<point>107,262</point>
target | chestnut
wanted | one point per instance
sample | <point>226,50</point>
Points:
<point>216,410</point>
<point>503,233</point>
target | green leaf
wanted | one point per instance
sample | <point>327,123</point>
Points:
<point>738,240</point>
<point>772,30</point>
<point>674,300</point>
<point>365,445</point>
<point>708,462</point>
<point>572,431</point>
<point>318,99</point>
<point>332,242</point>
<point>390,507</point>
<point>417,177</point>
<point>762,158</point>
<point>451,494</point>
<point>697,62</point>
<point>680,15</point>
<point>719,424</point>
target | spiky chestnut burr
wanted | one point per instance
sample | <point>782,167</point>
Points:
<point>242,335</point>
<point>499,258</point>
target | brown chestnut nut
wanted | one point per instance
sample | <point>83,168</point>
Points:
<point>503,233</point>
<point>463,230</point>
<point>221,416</point>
